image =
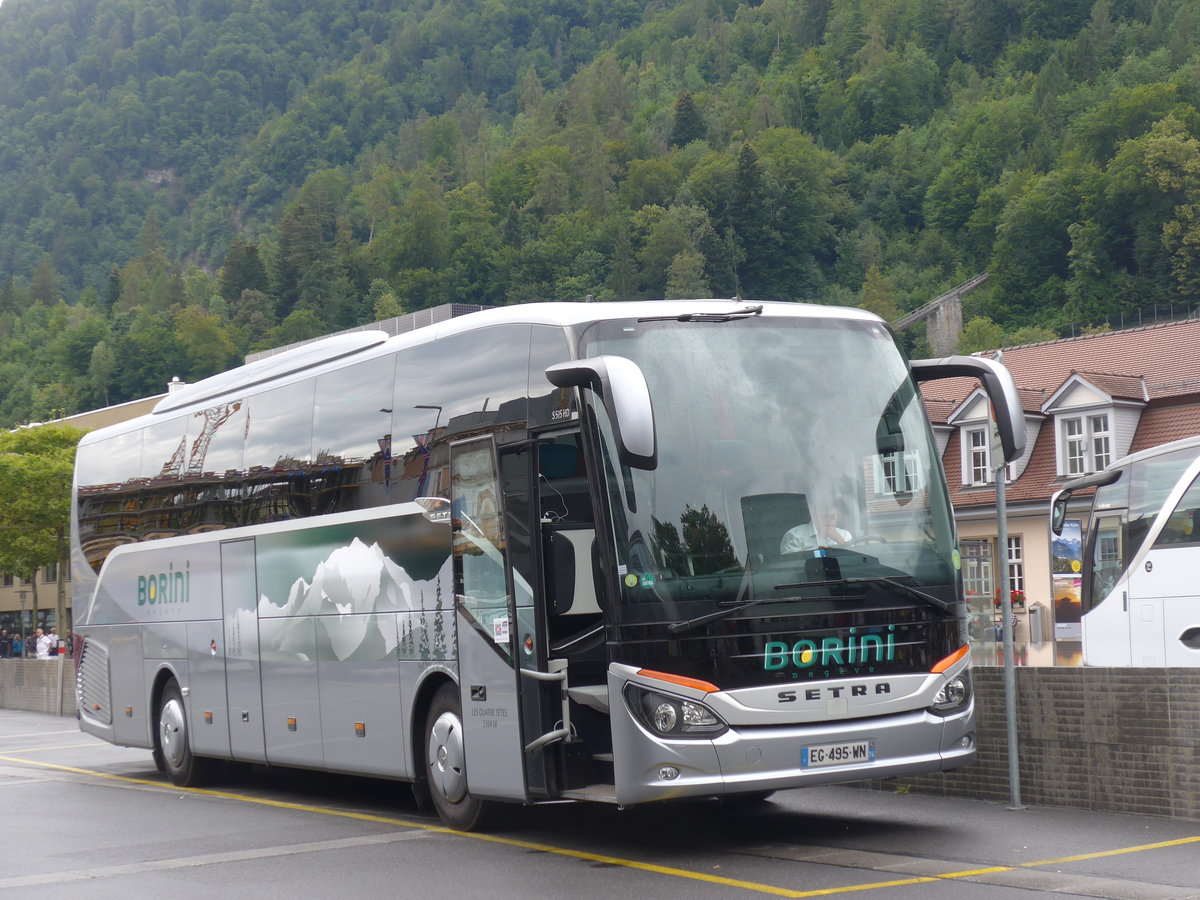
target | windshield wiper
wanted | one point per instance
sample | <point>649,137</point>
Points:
<point>689,624</point>
<point>708,316</point>
<point>906,589</point>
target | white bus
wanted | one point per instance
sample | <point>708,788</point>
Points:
<point>1140,588</point>
<point>538,553</point>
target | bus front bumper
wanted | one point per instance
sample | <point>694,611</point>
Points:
<point>769,758</point>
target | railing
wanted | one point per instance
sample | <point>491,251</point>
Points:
<point>920,313</point>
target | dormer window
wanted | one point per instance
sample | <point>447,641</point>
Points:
<point>1095,417</point>
<point>1086,444</point>
<point>980,458</point>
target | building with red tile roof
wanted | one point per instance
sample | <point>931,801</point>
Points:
<point>1088,401</point>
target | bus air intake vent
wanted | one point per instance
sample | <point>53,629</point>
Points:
<point>92,688</point>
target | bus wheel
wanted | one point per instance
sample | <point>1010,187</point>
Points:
<point>446,764</point>
<point>172,744</point>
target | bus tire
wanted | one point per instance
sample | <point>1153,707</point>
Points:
<point>446,765</point>
<point>173,744</point>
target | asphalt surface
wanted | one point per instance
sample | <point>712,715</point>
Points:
<point>79,815</point>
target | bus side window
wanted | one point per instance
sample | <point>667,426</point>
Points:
<point>1183,524</point>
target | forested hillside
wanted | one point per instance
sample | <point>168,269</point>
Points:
<point>182,181</point>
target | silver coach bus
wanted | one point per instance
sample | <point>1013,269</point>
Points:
<point>543,552</point>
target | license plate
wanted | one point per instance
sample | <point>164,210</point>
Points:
<point>842,754</point>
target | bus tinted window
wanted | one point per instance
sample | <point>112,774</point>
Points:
<point>107,495</point>
<point>467,384</point>
<point>166,509</point>
<point>547,347</point>
<point>278,454</point>
<point>352,424</point>
<point>1150,481</point>
<point>1183,525</point>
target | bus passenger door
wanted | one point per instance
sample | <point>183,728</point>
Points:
<point>486,616</point>
<point>1107,623</point>
<point>239,590</point>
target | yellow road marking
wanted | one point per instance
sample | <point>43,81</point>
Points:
<point>1103,853</point>
<point>41,749</point>
<point>596,857</point>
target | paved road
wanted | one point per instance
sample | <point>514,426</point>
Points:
<point>80,816</point>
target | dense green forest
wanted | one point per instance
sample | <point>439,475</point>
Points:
<point>184,180</point>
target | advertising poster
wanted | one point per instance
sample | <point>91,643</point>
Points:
<point>1067,566</point>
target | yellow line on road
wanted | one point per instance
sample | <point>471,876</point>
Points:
<point>705,877</point>
<point>42,749</point>
<point>1103,853</point>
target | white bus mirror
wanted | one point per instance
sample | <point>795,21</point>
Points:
<point>626,396</point>
<point>1000,387</point>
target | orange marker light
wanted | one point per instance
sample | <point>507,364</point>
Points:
<point>683,680</point>
<point>951,659</point>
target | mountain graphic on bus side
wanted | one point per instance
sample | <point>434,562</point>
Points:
<point>353,583</point>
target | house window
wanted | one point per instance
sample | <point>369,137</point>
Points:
<point>1076,447</point>
<point>8,580</point>
<point>1087,444</point>
<point>1016,566</point>
<point>980,458</point>
<point>1101,455</point>
<point>977,571</point>
<point>50,573</point>
<point>900,473</point>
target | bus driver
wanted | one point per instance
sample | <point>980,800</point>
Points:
<point>809,536</point>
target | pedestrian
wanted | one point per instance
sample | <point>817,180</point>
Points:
<point>41,644</point>
<point>18,646</point>
<point>6,644</point>
<point>53,635</point>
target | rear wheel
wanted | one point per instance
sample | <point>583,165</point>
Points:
<point>446,764</point>
<point>184,768</point>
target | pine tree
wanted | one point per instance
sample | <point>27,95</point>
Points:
<point>689,124</point>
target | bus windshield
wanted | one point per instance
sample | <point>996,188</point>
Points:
<point>795,465</point>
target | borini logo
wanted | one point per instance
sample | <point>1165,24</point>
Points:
<point>165,587</point>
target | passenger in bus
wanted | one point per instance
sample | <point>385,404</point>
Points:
<point>808,536</point>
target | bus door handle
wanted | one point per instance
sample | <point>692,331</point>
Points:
<point>1124,601</point>
<point>558,734</point>
<point>1191,638</point>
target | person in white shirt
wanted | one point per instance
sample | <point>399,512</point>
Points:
<point>810,536</point>
<point>43,644</point>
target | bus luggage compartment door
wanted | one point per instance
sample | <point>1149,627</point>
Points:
<point>486,619</point>
<point>239,591</point>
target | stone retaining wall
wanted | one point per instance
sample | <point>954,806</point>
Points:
<point>38,685</point>
<point>1116,740</point>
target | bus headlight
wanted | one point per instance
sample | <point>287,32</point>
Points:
<point>671,716</point>
<point>953,696</point>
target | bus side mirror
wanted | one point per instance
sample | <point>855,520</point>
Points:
<point>1058,510</point>
<point>626,396</point>
<point>1000,387</point>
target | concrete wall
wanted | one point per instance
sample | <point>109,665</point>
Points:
<point>1116,740</point>
<point>38,685</point>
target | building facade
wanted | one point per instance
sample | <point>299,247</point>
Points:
<point>1088,401</point>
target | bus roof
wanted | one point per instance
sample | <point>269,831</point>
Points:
<point>331,352</point>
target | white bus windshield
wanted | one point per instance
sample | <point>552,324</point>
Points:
<point>794,462</point>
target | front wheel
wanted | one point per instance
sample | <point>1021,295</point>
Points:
<point>446,764</point>
<point>173,747</point>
